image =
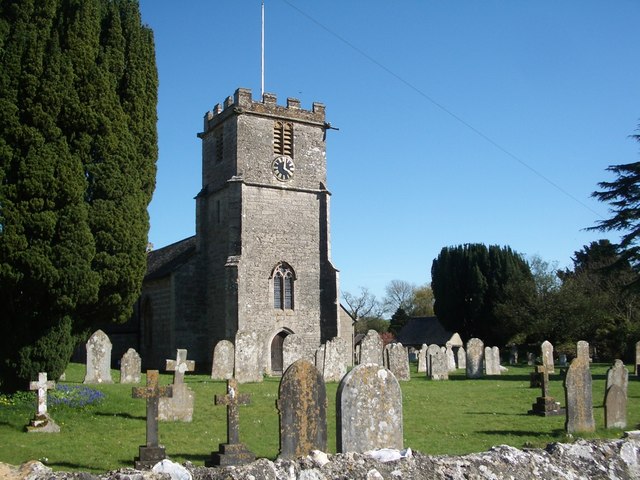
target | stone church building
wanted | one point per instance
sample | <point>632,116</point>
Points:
<point>260,259</point>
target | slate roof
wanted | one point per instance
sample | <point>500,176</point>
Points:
<point>165,260</point>
<point>419,330</point>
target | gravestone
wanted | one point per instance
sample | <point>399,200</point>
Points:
<point>545,405</point>
<point>636,367</point>
<point>336,358</point>
<point>438,367</point>
<point>431,350</point>
<point>369,410</point>
<point>451,359</point>
<point>318,357</point>
<point>513,355</point>
<point>152,452</point>
<point>462,358</point>
<point>577,387</point>
<point>475,358</point>
<point>98,359</point>
<point>233,452</point>
<point>422,359</point>
<point>615,398</point>
<point>223,360</point>
<point>302,404</point>
<point>371,348</point>
<point>495,352</point>
<point>562,359</point>
<point>398,361</point>
<point>531,358</point>
<point>490,366</point>
<point>248,353</point>
<point>547,356</point>
<point>178,407</point>
<point>130,367</point>
<point>294,348</point>
<point>42,422</point>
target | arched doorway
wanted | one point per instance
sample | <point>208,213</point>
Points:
<point>276,353</point>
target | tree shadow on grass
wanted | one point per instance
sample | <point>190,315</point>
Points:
<point>498,414</point>
<point>492,378</point>
<point>76,466</point>
<point>190,457</point>
<point>523,433</point>
<point>121,415</point>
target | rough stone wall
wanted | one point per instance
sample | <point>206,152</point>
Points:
<point>155,345</point>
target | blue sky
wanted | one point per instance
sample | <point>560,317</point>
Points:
<point>460,121</point>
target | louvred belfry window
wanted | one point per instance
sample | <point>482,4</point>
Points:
<point>283,279</point>
<point>283,138</point>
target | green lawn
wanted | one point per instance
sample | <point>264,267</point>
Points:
<point>449,417</point>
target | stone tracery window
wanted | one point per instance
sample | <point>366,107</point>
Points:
<point>283,294</point>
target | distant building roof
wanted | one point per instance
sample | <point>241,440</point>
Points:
<point>419,330</point>
<point>165,260</point>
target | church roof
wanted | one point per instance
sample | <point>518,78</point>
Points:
<point>165,260</point>
<point>419,330</point>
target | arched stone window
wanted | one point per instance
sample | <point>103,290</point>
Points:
<point>283,283</point>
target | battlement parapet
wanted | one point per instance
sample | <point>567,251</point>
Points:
<point>242,103</point>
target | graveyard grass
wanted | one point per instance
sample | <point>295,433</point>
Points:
<point>440,417</point>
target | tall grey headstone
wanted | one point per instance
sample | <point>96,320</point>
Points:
<point>513,355</point>
<point>475,358</point>
<point>294,348</point>
<point>422,359</point>
<point>179,406</point>
<point>451,359</point>
<point>98,359</point>
<point>371,348</point>
<point>495,352</point>
<point>615,398</point>
<point>302,404</point>
<point>438,366</point>
<point>369,410</point>
<point>578,394</point>
<point>248,355</point>
<point>547,356</point>
<point>462,358</point>
<point>336,358</point>
<point>130,367</point>
<point>431,350</point>
<point>223,360</point>
<point>398,361</point>
<point>489,362</point>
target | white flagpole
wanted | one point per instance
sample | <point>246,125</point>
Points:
<point>262,53</point>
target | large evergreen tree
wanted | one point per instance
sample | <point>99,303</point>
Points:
<point>78,94</point>
<point>479,291</point>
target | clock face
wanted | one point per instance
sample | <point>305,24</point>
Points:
<point>283,168</point>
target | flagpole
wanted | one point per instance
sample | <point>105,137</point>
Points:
<point>262,54</point>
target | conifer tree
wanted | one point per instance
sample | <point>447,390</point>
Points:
<point>78,91</point>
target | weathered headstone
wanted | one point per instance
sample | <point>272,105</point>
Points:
<point>398,361</point>
<point>98,359</point>
<point>130,367</point>
<point>497,369</point>
<point>475,358</point>
<point>547,356</point>
<point>248,355</point>
<point>531,358</point>
<point>513,355</point>
<point>577,387</point>
<point>451,359</point>
<point>431,350</point>
<point>223,360</point>
<point>371,348</point>
<point>438,367</point>
<point>369,410</point>
<point>615,399</point>
<point>233,452</point>
<point>562,359</point>
<point>422,359</point>
<point>462,358</point>
<point>545,405</point>
<point>42,422</point>
<point>318,357</point>
<point>294,348</point>
<point>336,358</point>
<point>636,367</point>
<point>302,403</point>
<point>490,367</point>
<point>178,407</point>
<point>152,452</point>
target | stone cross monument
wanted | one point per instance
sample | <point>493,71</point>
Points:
<point>42,422</point>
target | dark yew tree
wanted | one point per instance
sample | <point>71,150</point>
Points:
<point>480,291</point>
<point>78,94</point>
<point>398,320</point>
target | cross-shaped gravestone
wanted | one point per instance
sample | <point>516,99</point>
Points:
<point>180,365</point>
<point>545,405</point>
<point>42,422</point>
<point>152,452</point>
<point>233,452</point>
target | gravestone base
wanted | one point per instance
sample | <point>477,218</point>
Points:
<point>546,407</point>
<point>149,456</point>
<point>43,424</point>
<point>229,455</point>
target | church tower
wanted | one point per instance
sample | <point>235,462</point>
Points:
<point>262,224</point>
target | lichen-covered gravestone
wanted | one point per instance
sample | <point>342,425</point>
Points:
<point>451,358</point>
<point>248,354</point>
<point>98,359</point>
<point>489,362</point>
<point>422,359</point>
<point>223,360</point>
<point>475,358</point>
<point>438,367</point>
<point>371,348</point>
<point>615,398</point>
<point>398,360</point>
<point>495,361</point>
<point>42,422</point>
<point>130,367</point>
<point>462,358</point>
<point>577,388</point>
<point>547,356</point>
<point>178,407</point>
<point>302,403</point>
<point>431,350</point>
<point>369,410</point>
<point>336,355</point>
